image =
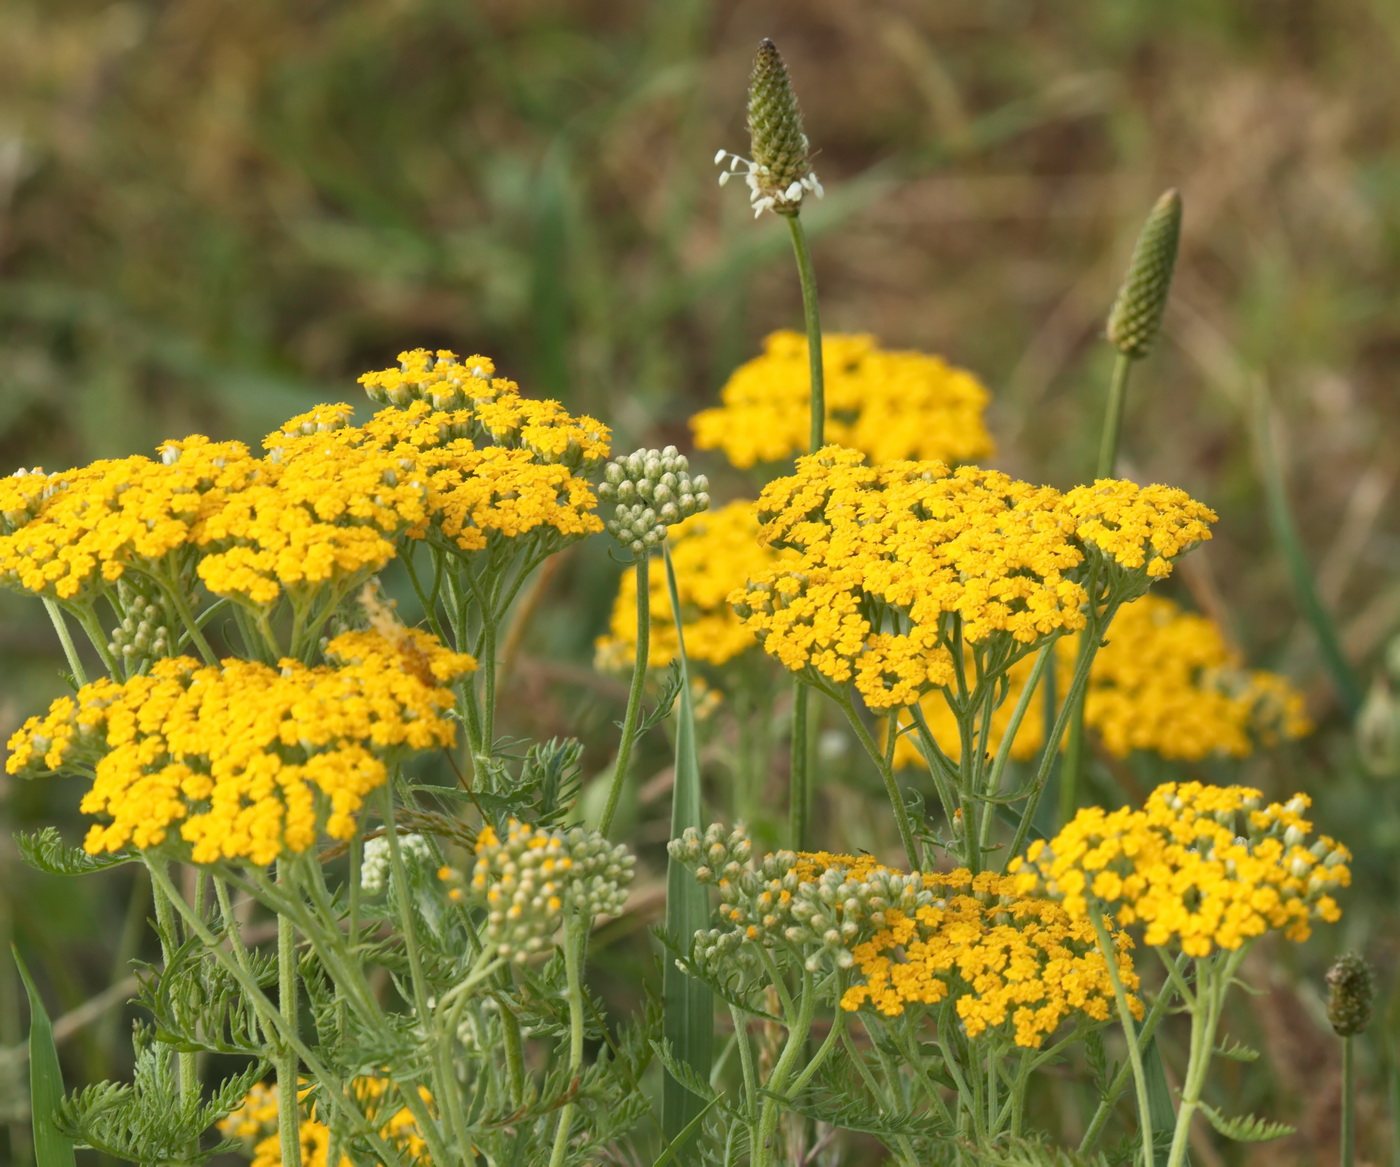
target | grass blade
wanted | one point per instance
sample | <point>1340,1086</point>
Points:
<point>1159,1102</point>
<point>51,1149</point>
<point>688,1021</point>
<point>1296,560</point>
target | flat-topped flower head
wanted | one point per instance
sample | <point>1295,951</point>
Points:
<point>653,490</point>
<point>888,553</point>
<point>713,553</point>
<point>1136,529</point>
<point>244,761</point>
<point>531,879</point>
<point>903,940</point>
<point>1202,867</point>
<point>886,404</point>
<point>477,405</point>
<point>326,513</point>
<point>1004,959</point>
<point>67,534</point>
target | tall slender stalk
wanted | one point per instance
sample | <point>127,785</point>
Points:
<point>1125,1018</point>
<point>800,796</point>
<point>634,694</point>
<point>1073,762</point>
<point>288,1116</point>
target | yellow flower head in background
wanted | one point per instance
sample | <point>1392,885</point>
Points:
<point>245,760</point>
<point>255,1124</point>
<point>1165,681</point>
<point>714,552</point>
<point>886,404</point>
<point>1204,867</point>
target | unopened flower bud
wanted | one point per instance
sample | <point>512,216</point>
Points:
<point>1137,313</point>
<point>1350,989</point>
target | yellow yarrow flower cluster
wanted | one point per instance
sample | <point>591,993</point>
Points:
<point>1204,867</point>
<point>464,394</point>
<point>886,404</point>
<point>255,1124</point>
<point>248,760</point>
<point>888,552</point>
<point>65,534</point>
<point>713,552</point>
<point>321,512</point>
<point>1135,528</point>
<point>1165,681</point>
<point>1004,958</point>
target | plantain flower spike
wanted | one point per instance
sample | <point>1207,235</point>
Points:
<point>780,173</point>
<point>1137,313</point>
<point>1350,989</point>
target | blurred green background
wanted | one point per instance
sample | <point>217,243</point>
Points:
<point>214,214</point>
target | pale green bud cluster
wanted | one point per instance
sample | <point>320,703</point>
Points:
<point>141,636</point>
<point>780,173</point>
<point>376,863</point>
<point>1137,314</point>
<point>785,905</point>
<point>532,879</point>
<point>653,490</point>
<point>1350,990</point>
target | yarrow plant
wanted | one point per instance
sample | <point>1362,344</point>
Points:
<point>405,932</point>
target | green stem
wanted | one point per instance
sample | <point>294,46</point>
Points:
<point>800,793</point>
<point>176,594</point>
<point>777,1081</point>
<point>1348,1152</point>
<point>1113,416</point>
<point>1108,458</point>
<point>288,1110</point>
<point>88,622</point>
<point>901,813</point>
<point>273,1023</point>
<point>447,1088</point>
<point>746,1066</point>
<point>634,694</point>
<point>1003,756</point>
<point>1213,984</point>
<point>811,315</point>
<point>1089,647</point>
<point>1115,1088</point>
<point>1125,1018</point>
<point>575,938</point>
<point>70,650</point>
